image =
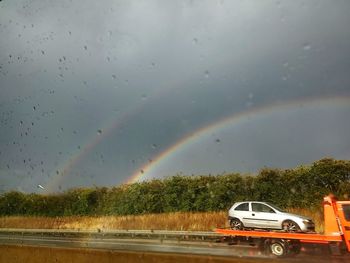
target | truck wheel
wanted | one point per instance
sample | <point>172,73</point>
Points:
<point>278,248</point>
<point>295,248</point>
<point>290,226</point>
<point>236,224</point>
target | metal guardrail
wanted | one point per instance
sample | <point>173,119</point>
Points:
<point>143,234</point>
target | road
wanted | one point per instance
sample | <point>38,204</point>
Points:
<point>180,242</point>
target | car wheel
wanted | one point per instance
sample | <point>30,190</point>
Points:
<point>290,226</point>
<point>236,224</point>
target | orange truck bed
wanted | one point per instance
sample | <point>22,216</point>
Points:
<point>302,237</point>
<point>336,230</point>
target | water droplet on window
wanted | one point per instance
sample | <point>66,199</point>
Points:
<point>195,41</point>
<point>144,97</point>
<point>207,73</point>
<point>114,76</point>
<point>43,52</point>
<point>306,46</point>
<point>99,131</point>
<point>142,171</point>
<point>217,140</point>
<point>154,146</point>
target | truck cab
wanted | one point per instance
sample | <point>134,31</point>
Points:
<point>337,218</point>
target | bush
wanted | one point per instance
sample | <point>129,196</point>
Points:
<point>302,187</point>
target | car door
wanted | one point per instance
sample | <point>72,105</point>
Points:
<point>242,212</point>
<point>263,215</point>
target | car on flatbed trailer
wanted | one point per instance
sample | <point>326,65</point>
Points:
<point>282,243</point>
<point>263,215</point>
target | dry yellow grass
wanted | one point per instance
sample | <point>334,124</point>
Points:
<point>169,221</point>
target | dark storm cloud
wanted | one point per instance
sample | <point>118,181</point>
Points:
<point>157,69</point>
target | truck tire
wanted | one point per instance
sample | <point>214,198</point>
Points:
<point>278,248</point>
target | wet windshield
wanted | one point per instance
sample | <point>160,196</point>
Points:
<point>122,118</point>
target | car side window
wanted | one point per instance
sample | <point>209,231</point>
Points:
<point>257,207</point>
<point>243,207</point>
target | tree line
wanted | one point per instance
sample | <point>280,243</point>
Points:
<point>301,187</point>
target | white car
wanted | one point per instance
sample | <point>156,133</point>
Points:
<point>252,214</point>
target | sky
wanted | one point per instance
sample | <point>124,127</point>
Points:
<point>96,94</point>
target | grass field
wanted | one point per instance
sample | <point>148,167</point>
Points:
<point>169,221</point>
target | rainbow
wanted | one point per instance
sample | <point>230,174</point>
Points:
<point>99,134</point>
<point>108,127</point>
<point>234,119</point>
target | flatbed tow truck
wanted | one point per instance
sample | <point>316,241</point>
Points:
<point>336,234</point>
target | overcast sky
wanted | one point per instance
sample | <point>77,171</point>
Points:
<point>93,93</point>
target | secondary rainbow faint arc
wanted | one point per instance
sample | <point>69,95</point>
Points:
<point>232,120</point>
<point>110,125</point>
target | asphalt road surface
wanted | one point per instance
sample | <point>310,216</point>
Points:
<point>179,246</point>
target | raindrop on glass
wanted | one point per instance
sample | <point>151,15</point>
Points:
<point>306,46</point>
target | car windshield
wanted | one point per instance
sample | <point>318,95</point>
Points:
<point>276,207</point>
<point>135,126</point>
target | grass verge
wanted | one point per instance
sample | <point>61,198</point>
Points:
<point>205,221</point>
